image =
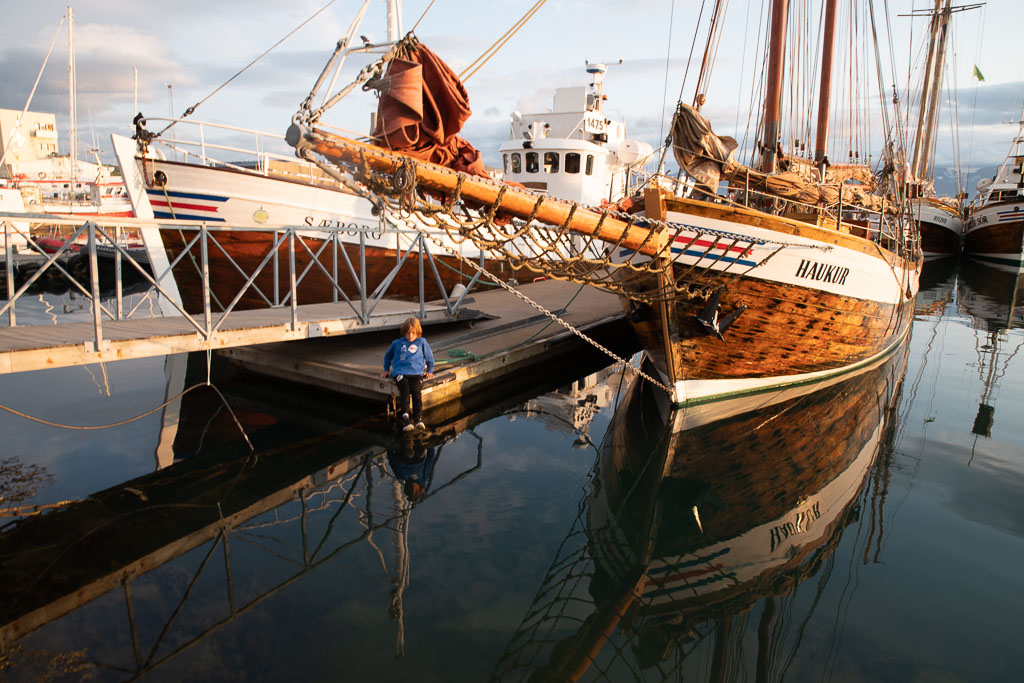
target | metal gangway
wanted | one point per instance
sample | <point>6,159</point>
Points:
<point>121,326</point>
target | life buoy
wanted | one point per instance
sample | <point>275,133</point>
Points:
<point>42,175</point>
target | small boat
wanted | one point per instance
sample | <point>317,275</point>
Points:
<point>995,227</point>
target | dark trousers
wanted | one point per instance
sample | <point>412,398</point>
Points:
<point>410,385</point>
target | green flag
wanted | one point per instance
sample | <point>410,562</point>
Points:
<point>977,73</point>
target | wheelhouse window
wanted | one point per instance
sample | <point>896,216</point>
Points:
<point>590,164</point>
<point>517,162</point>
<point>504,163</point>
<point>572,162</point>
<point>532,164</point>
<point>551,162</point>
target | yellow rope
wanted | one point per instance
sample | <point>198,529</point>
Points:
<point>478,63</point>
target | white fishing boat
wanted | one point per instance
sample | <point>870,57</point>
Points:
<point>995,227</point>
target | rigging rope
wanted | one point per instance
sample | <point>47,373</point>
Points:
<point>478,63</point>
<point>190,110</point>
<point>28,102</point>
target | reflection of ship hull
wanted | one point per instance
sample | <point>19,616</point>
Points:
<point>770,486</point>
<point>938,278</point>
<point>991,294</point>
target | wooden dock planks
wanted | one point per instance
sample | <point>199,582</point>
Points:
<point>37,347</point>
<point>515,338</point>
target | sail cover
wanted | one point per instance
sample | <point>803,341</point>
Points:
<point>422,108</point>
<point>704,155</point>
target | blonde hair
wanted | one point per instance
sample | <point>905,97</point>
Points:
<point>412,324</point>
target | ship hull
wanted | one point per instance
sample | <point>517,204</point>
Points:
<point>995,233</point>
<point>323,212</point>
<point>815,303</point>
<point>941,228</point>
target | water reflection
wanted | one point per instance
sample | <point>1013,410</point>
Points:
<point>123,582</point>
<point>699,520</point>
<point>938,283</point>
<point>990,295</point>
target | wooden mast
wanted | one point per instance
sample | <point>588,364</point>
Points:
<point>933,99</point>
<point>925,92</point>
<point>825,94</point>
<point>773,92</point>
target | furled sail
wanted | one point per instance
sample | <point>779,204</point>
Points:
<point>704,155</point>
<point>422,108</point>
<point>707,158</point>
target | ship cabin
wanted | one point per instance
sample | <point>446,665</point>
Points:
<point>1006,185</point>
<point>573,151</point>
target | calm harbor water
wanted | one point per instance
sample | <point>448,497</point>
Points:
<point>565,528</point>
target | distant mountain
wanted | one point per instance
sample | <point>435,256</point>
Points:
<point>946,181</point>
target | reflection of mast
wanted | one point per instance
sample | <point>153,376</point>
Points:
<point>986,411</point>
<point>404,509</point>
<point>175,370</point>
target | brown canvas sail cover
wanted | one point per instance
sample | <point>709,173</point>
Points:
<point>704,155</point>
<point>422,108</point>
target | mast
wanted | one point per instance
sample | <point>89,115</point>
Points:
<point>925,89</point>
<point>825,94</point>
<point>773,92</point>
<point>394,19</point>
<point>933,99</point>
<point>72,87</point>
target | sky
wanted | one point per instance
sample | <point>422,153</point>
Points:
<point>183,51</point>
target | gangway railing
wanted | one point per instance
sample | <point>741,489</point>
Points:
<point>291,255</point>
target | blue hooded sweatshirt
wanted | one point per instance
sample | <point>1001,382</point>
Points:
<point>406,357</point>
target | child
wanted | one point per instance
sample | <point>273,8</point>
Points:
<point>409,359</point>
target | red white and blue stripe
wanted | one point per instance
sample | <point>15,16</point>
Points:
<point>719,249</point>
<point>186,206</point>
<point>1010,215</point>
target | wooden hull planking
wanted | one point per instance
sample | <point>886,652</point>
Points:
<point>792,330</point>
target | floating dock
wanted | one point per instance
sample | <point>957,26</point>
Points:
<point>514,338</point>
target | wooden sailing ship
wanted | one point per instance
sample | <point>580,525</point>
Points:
<point>804,270</point>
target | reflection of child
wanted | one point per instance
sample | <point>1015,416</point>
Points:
<point>413,465</point>
<point>409,360</point>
